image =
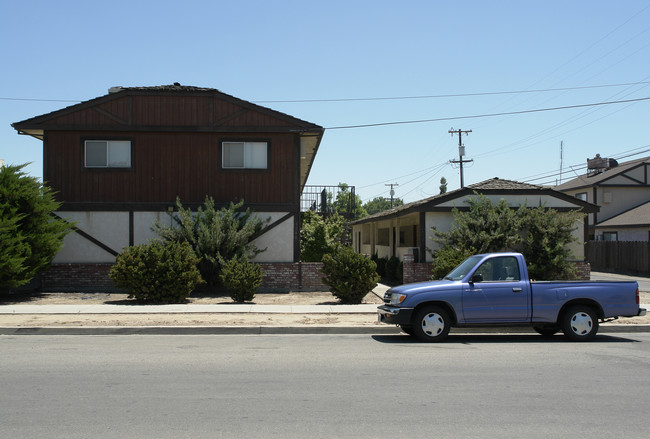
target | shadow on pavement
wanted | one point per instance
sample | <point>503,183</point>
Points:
<point>497,338</point>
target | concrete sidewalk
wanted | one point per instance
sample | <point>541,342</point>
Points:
<point>369,325</point>
<point>188,309</point>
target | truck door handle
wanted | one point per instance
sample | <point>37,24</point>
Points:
<point>516,290</point>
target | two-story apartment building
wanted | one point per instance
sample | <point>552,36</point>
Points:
<point>622,190</point>
<point>118,162</point>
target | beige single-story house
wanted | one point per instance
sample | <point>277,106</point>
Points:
<point>407,229</point>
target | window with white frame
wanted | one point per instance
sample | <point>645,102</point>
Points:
<point>245,155</point>
<point>107,153</point>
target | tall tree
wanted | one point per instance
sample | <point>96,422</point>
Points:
<point>380,204</point>
<point>443,185</point>
<point>319,235</point>
<point>30,236</point>
<point>541,234</point>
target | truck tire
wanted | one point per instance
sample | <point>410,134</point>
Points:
<point>407,329</point>
<point>580,323</point>
<point>431,324</point>
<point>546,331</point>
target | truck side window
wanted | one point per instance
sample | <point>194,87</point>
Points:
<point>500,269</point>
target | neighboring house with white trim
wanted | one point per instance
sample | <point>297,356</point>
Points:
<point>118,162</point>
<point>407,229</point>
<point>622,191</point>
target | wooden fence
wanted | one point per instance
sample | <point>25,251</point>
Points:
<point>624,257</point>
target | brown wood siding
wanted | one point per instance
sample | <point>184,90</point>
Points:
<point>167,111</point>
<point>167,165</point>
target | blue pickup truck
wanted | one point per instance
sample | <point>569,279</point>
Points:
<point>494,289</point>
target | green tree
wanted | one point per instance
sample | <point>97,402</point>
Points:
<point>443,185</point>
<point>483,228</point>
<point>380,204</point>
<point>547,234</point>
<point>319,236</point>
<point>30,235</point>
<point>346,203</point>
<point>541,234</point>
<point>216,236</point>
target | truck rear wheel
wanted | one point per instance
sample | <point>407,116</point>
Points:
<point>580,323</point>
<point>431,324</point>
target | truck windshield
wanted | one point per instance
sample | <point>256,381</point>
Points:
<point>461,271</point>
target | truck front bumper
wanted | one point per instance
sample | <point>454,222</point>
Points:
<point>394,315</point>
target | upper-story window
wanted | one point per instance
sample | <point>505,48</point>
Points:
<point>582,196</point>
<point>107,153</point>
<point>245,155</point>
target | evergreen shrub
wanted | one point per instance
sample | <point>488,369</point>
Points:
<point>157,272</point>
<point>241,278</point>
<point>349,275</point>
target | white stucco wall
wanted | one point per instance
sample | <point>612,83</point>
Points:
<point>277,241</point>
<point>112,229</point>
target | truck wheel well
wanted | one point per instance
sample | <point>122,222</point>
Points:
<point>444,305</point>
<point>585,302</point>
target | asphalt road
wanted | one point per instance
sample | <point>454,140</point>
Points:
<point>323,386</point>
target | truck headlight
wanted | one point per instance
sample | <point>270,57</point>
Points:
<point>397,298</point>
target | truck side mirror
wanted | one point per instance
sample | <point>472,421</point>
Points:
<point>476,278</point>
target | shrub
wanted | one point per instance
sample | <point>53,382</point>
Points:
<point>30,235</point>
<point>157,272</point>
<point>319,236</point>
<point>392,269</point>
<point>216,236</point>
<point>242,278</point>
<point>349,275</point>
<point>381,265</point>
<point>448,258</point>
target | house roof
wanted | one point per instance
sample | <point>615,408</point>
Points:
<point>64,119</point>
<point>586,180</point>
<point>494,186</point>
<point>636,217</point>
<point>35,125</point>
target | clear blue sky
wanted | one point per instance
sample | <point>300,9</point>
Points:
<point>264,51</point>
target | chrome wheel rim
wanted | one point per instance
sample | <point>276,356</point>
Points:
<point>581,323</point>
<point>433,324</point>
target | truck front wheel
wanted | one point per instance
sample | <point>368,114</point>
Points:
<point>431,324</point>
<point>580,323</point>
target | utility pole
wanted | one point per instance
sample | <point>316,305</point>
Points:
<point>392,192</point>
<point>461,152</point>
<point>561,158</point>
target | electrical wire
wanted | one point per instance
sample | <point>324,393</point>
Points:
<point>476,116</point>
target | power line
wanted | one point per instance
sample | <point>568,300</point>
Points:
<point>476,116</point>
<point>388,98</point>
<point>455,95</point>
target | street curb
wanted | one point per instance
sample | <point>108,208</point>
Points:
<point>275,330</point>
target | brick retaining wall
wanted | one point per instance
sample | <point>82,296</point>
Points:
<point>278,277</point>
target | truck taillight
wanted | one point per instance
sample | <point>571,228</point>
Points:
<point>637,297</point>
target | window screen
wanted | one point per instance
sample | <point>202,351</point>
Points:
<point>251,155</point>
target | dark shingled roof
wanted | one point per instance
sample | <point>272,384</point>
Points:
<point>494,185</point>
<point>585,180</point>
<point>635,217</point>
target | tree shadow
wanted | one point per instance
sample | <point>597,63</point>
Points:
<point>13,298</point>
